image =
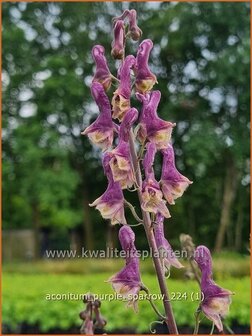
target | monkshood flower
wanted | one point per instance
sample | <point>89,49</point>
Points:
<point>145,79</point>
<point>120,162</point>
<point>216,300</point>
<point>111,203</point>
<point>151,127</point>
<point>151,194</point>
<point>173,184</point>
<point>102,72</point>
<point>152,197</point>
<point>118,42</point>
<point>166,253</point>
<point>121,97</point>
<point>134,31</point>
<point>127,239</point>
<point>101,131</point>
<point>127,282</point>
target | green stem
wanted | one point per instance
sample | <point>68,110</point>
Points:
<point>212,330</point>
<point>197,322</point>
<point>141,151</point>
<point>153,304</point>
<point>133,211</point>
<point>229,329</point>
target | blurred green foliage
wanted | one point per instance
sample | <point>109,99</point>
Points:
<point>201,58</point>
<point>24,300</point>
<point>50,173</point>
<point>224,266</point>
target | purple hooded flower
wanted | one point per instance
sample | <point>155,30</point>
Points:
<point>151,194</point>
<point>102,73</point>
<point>166,253</point>
<point>151,127</point>
<point>100,132</point>
<point>120,162</point>
<point>91,316</point>
<point>121,97</point>
<point>216,300</point>
<point>145,79</point>
<point>127,239</point>
<point>134,31</point>
<point>118,44</point>
<point>173,184</point>
<point>111,203</point>
<point>127,282</point>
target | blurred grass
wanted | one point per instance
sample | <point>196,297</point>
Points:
<point>24,301</point>
<point>225,265</point>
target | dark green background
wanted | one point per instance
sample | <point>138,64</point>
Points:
<point>51,173</point>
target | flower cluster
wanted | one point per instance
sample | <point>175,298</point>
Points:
<point>117,126</point>
<point>153,134</point>
<point>91,316</point>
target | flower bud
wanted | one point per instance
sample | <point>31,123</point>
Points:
<point>102,73</point>
<point>134,30</point>
<point>118,44</point>
<point>145,79</point>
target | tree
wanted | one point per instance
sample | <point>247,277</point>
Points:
<point>201,57</point>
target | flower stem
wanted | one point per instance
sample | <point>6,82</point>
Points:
<point>197,322</point>
<point>153,304</point>
<point>194,270</point>
<point>212,330</point>
<point>133,211</point>
<point>169,318</point>
<point>229,329</point>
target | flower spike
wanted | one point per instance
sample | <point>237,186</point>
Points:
<point>216,300</point>
<point>102,73</point>
<point>101,131</point>
<point>173,184</point>
<point>145,79</point>
<point>151,127</point>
